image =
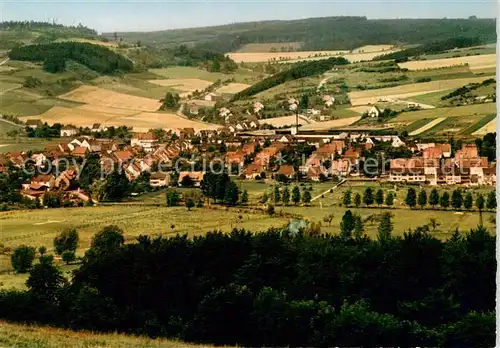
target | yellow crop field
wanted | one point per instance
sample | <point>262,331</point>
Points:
<point>409,90</point>
<point>144,121</point>
<point>343,122</point>
<point>372,48</point>
<point>103,97</point>
<point>428,126</point>
<point>474,62</point>
<point>233,88</point>
<point>86,115</point>
<point>490,127</point>
<point>75,116</point>
<point>254,57</point>
<point>186,85</point>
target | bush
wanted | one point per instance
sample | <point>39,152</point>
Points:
<point>67,240</point>
<point>109,238</point>
<point>68,256</point>
<point>22,258</point>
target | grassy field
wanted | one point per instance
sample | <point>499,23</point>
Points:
<point>20,336</point>
<point>39,227</point>
<point>25,144</point>
<point>5,127</point>
<point>182,72</point>
<point>428,126</point>
<point>451,126</point>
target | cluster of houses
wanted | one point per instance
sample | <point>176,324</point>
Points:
<point>257,157</point>
<point>437,166</point>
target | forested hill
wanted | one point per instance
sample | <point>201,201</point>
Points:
<point>321,33</point>
<point>13,33</point>
<point>54,55</point>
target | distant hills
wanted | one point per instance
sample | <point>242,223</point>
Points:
<point>342,33</point>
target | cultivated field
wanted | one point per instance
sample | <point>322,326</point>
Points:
<point>185,85</point>
<point>255,57</point>
<point>458,111</point>
<point>407,91</point>
<point>102,97</point>
<point>428,126</point>
<point>87,115</point>
<point>144,121</point>
<point>490,127</point>
<point>233,88</point>
<point>474,62</point>
<point>268,47</point>
<point>19,335</point>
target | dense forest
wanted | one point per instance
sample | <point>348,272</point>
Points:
<point>277,288</point>
<point>432,47</point>
<point>296,71</point>
<point>182,55</point>
<point>54,56</point>
<point>321,33</point>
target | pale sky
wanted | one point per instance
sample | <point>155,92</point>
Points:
<point>108,16</point>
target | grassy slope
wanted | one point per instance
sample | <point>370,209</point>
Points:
<point>23,336</point>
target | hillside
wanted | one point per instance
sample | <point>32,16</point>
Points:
<point>13,33</point>
<point>318,33</point>
<point>16,335</point>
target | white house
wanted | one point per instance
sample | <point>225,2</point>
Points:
<point>147,141</point>
<point>374,112</point>
<point>68,131</point>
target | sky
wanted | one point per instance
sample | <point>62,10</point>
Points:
<point>126,15</point>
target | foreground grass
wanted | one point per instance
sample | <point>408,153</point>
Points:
<point>23,336</point>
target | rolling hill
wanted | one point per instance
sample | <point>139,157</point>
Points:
<point>326,33</point>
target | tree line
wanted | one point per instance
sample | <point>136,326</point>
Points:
<point>275,288</point>
<point>55,55</point>
<point>457,200</point>
<point>433,47</point>
<point>295,72</point>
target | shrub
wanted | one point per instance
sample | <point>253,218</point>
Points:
<point>22,258</point>
<point>67,240</point>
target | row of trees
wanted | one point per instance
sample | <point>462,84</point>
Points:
<point>275,288</point>
<point>457,200</point>
<point>283,195</point>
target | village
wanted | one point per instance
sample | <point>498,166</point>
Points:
<point>170,156</point>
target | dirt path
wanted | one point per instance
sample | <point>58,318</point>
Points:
<point>332,188</point>
<point>4,61</point>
